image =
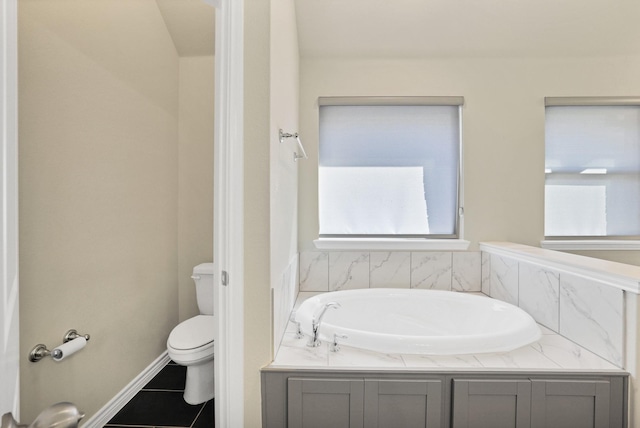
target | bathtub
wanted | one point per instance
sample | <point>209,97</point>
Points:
<point>414,321</point>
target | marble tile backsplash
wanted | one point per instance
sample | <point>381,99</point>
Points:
<point>344,270</point>
<point>389,269</point>
<point>591,314</point>
<point>486,273</point>
<point>539,294</point>
<point>348,270</point>
<point>314,271</point>
<point>284,296</point>
<point>466,271</point>
<point>431,270</point>
<point>583,310</point>
<point>504,279</point>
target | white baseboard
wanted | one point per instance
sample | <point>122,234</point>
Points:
<point>104,415</point>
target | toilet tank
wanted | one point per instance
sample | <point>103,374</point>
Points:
<point>203,277</point>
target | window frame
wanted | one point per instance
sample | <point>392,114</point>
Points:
<point>392,241</point>
<point>590,242</point>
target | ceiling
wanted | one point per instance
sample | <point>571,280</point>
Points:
<point>191,24</point>
<point>435,28</point>
<point>468,28</point>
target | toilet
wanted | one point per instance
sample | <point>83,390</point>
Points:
<point>190,343</point>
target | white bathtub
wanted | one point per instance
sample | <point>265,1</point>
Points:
<point>413,321</point>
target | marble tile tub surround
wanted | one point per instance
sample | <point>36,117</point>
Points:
<point>578,297</point>
<point>284,296</point>
<point>552,352</point>
<point>344,270</point>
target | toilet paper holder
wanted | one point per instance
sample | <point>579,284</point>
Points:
<point>40,351</point>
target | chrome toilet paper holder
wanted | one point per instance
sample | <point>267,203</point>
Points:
<point>40,351</point>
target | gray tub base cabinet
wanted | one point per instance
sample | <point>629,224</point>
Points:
<point>399,399</point>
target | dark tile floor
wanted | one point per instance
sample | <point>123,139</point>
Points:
<point>160,404</point>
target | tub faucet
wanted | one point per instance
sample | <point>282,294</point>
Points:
<point>315,323</point>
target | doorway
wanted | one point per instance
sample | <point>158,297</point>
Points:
<point>225,133</point>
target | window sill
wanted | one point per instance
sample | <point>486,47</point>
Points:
<point>591,244</point>
<point>391,244</point>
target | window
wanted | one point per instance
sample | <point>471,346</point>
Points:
<point>389,167</point>
<point>592,167</point>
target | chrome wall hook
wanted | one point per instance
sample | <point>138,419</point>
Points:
<point>283,135</point>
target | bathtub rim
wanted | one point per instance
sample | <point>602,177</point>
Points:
<point>414,344</point>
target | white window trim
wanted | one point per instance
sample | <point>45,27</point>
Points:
<point>402,244</point>
<point>392,101</point>
<point>591,101</point>
<point>582,244</point>
<point>591,244</point>
<point>391,244</point>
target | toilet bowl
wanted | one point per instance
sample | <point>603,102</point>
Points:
<point>191,342</point>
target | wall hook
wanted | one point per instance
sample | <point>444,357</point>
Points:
<point>283,135</point>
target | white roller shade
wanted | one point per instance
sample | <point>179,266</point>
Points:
<point>389,169</point>
<point>592,164</point>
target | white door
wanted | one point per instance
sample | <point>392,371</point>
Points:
<point>9,349</point>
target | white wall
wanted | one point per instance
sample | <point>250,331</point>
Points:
<point>258,339</point>
<point>503,127</point>
<point>284,69</point>
<point>98,100</point>
<point>195,174</point>
<point>270,102</point>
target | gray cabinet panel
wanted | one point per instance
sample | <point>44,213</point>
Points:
<point>403,403</point>
<point>574,403</point>
<point>491,403</point>
<point>321,403</point>
<point>274,400</point>
<point>384,399</point>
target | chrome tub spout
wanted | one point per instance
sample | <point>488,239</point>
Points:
<point>314,341</point>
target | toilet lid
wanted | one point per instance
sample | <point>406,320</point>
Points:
<point>192,333</point>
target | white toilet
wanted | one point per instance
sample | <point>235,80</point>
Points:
<point>191,342</point>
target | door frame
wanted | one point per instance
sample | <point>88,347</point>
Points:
<point>9,287</point>
<point>228,230</point>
